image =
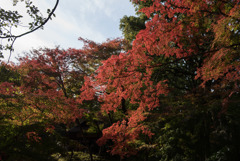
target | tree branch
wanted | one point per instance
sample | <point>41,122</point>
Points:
<point>48,18</point>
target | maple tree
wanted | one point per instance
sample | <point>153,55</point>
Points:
<point>188,48</point>
<point>172,93</point>
<point>40,93</point>
<point>22,128</point>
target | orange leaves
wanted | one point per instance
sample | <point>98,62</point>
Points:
<point>187,34</point>
<point>127,77</point>
<point>181,37</point>
<point>118,134</point>
<point>88,90</point>
<point>7,89</point>
<point>52,79</point>
<point>44,93</point>
<point>33,136</point>
<point>124,135</point>
<point>221,62</point>
<point>220,65</point>
<point>50,128</point>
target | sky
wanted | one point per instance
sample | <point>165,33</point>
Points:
<point>91,19</point>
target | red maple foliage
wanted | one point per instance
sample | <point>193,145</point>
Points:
<point>207,30</point>
<point>48,83</point>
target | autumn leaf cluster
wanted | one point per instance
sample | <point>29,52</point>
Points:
<point>170,91</point>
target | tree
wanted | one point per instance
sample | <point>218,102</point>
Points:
<point>188,53</point>
<point>38,96</point>
<point>24,134</point>
<point>131,25</point>
<point>174,95</point>
<point>12,19</point>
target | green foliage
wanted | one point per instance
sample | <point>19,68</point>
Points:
<point>7,74</point>
<point>23,140</point>
<point>130,26</point>
<point>17,145</point>
<point>80,156</point>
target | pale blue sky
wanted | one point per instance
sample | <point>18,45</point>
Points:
<point>92,19</point>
